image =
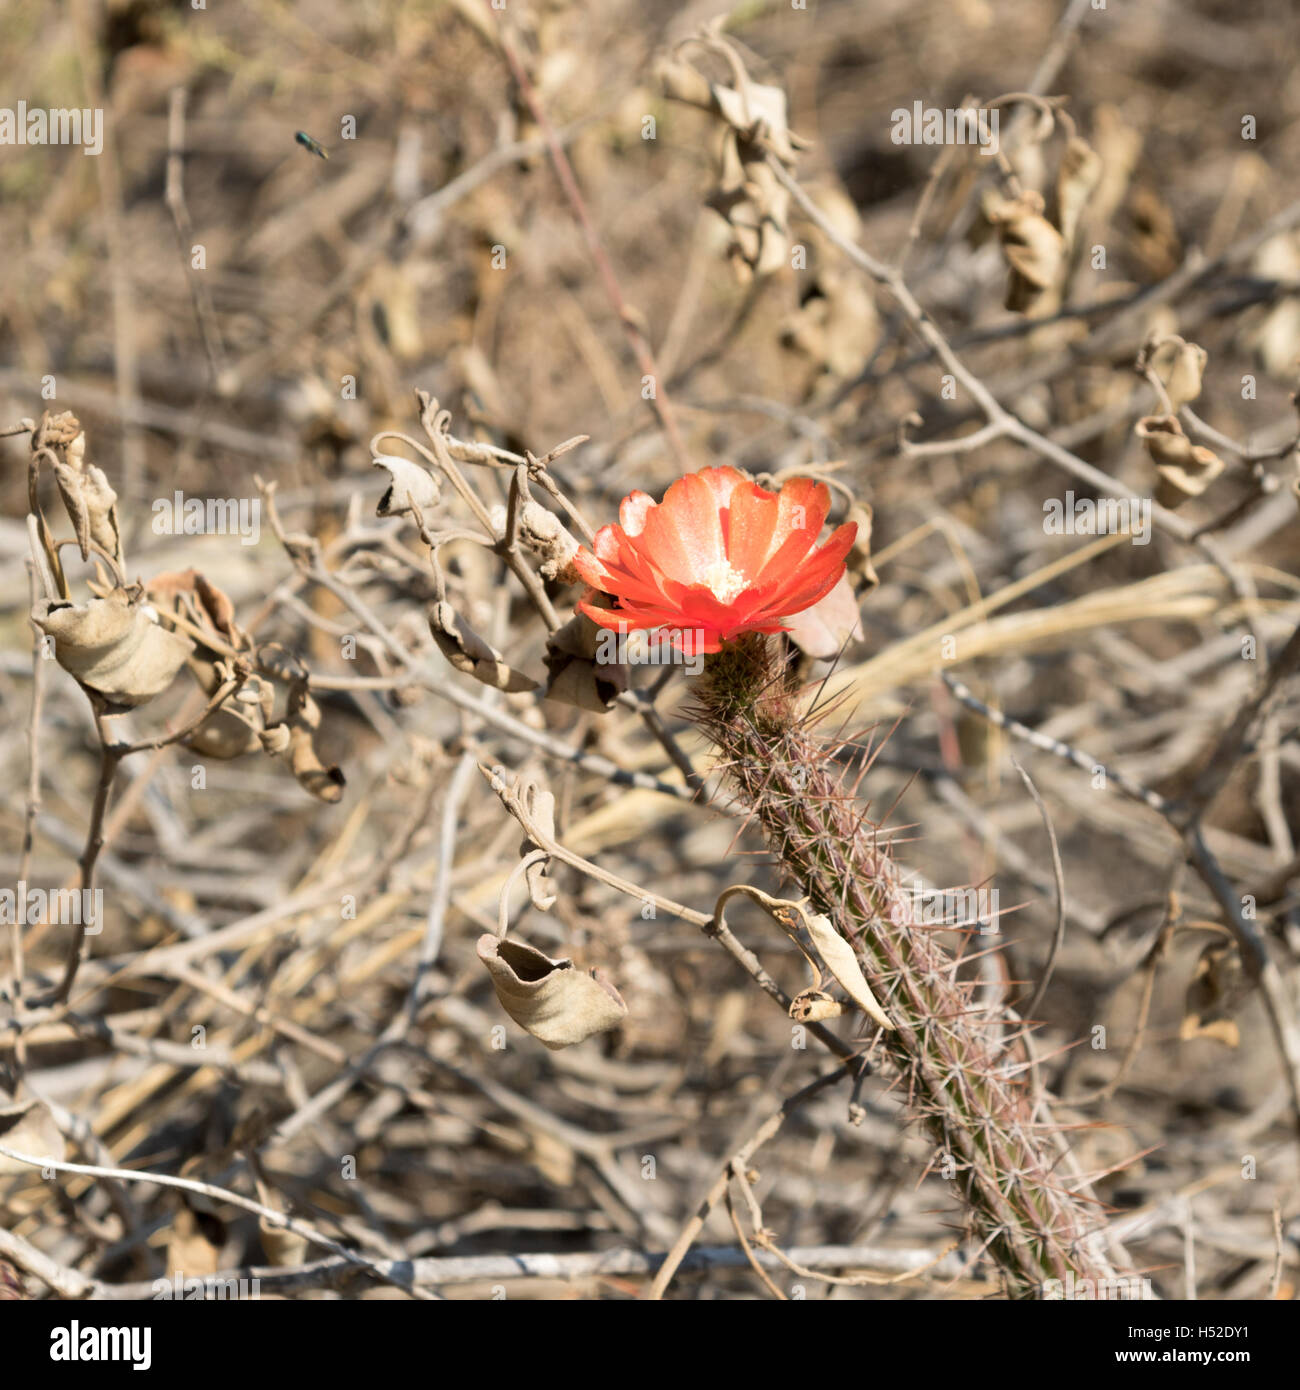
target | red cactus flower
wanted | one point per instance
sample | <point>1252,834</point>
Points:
<point>719,556</point>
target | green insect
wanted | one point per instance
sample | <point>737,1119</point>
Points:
<point>308,143</point>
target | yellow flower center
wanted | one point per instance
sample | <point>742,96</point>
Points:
<point>725,581</point>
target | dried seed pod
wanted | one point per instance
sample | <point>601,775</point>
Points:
<point>113,646</point>
<point>557,1003</point>
<point>1185,469</point>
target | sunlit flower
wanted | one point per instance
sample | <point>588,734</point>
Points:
<point>719,556</point>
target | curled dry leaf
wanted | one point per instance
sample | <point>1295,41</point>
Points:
<point>113,646</point>
<point>234,727</point>
<point>1185,469</point>
<point>91,504</point>
<point>472,654</point>
<point>1218,987</point>
<point>1180,366</point>
<point>1034,251</point>
<point>756,206</point>
<point>842,961</point>
<point>814,1005</point>
<point>1076,182</point>
<point>574,675</point>
<point>859,557</point>
<point>193,594</point>
<point>28,1127</point>
<point>748,194</point>
<point>411,487</point>
<point>92,507</point>
<point>557,1003</point>
<point>839,958</point>
<point>823,630</point>
<point>237,725</point>
<point>294,739</point>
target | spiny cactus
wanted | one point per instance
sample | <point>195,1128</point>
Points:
<point>956,1078</point>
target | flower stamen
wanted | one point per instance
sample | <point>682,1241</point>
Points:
<point>725,581</point>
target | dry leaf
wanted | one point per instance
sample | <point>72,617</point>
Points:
<point>27,1127</point>
<point>574,676</point>
<point>1218,987</point>
<point>294,739</point>
<point>193,595</point>
<point>470,653</point>
<point>1076,181</point>
<point>88,499</point>
<point>748,195</point>
<point>411,487</point>
<point>1034,251</point>
<point>112,646</point>
<point>814,1005</point>
<point>1180,366</point>
<point>557,1003</point>
<point>1185,469</point>
<point>842,961</point>
<point>822,630</point>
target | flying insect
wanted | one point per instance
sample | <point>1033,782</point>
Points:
<point>308,143</point>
